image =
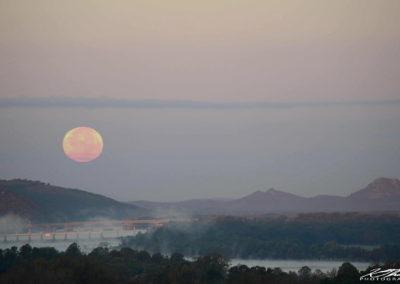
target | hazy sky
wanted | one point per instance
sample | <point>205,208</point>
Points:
<point>202,98</point>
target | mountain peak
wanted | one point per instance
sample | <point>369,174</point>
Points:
<point>270,193</point>
<point>385,182</point>
<point>274,192</point>
<point>380,188</point>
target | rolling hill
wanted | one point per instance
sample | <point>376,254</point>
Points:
<point>41,202</point>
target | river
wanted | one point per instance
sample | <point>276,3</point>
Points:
<point>295,265</point>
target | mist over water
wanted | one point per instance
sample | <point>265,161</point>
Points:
<point>86,245</point>
<point>11,223</point>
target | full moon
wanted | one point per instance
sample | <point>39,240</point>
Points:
<point>82,144</point>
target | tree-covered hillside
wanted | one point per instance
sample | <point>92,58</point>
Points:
<point>347,236</point>
<point>41,202</point>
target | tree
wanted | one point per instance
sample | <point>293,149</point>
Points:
<point>211,268</point>
<point>177,258</point>
<point>347,274</point>
<point>25,251</point>
<point>304,272</point>
<point>73,250</point>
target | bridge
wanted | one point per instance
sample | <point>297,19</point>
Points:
<point>90,230</point>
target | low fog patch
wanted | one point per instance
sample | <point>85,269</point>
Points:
<point>13,224</point>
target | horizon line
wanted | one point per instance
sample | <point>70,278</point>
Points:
<point>100,102</point>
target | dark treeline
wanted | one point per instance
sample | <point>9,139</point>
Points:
<point>368,239</point>
<point>47,265</point>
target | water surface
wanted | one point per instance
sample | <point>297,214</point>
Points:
<point>295,265</point>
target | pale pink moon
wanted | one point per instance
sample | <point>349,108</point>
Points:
<point>82,144</point>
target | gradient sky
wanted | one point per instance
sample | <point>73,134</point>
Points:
<point>203,98</point>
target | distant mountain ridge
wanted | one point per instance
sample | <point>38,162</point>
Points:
<point>383,194</point>
<point>41,202</point>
